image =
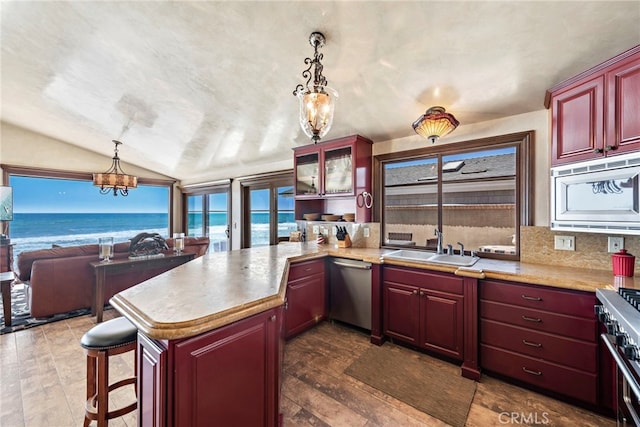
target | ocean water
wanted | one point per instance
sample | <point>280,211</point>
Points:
<point>31,231</point>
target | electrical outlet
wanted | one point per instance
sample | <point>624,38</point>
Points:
<point>365,231</point>
<point>316,229</point>
<point>564,243</point>
<point>615,244</point>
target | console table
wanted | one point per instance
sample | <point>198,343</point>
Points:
<point>6,278</point>
<point>6,257</point>
<point>120,266</point>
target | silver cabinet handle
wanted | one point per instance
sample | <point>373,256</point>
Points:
<point>532,319</point>
<point>529,371</point>
<point>531,298</point>
<point>532,344</point>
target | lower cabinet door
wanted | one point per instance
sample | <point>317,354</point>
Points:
<point>306,304</point>
<point>230,376</point>
<point>401,312</point>
<point>152,383</point>
<point>441,319</point>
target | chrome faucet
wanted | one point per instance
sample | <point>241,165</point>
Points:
<point>439,247</point>
<point>461,249</point>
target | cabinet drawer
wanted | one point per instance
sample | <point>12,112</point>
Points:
<point>567,381</point>
<point>565,351</point>
<point>437,282</point>
<point>539,297</point>
<point>538,320</point>
<point>306,268</point>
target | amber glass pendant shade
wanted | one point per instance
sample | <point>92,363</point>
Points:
<point>435,123</point>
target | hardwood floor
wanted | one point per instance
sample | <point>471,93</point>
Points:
<point>42,383</point>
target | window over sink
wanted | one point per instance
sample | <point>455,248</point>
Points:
<point>476,192</point>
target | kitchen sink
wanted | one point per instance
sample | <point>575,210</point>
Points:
<point>459,260</point>
<point>409,255</point>
<point>430,257</point>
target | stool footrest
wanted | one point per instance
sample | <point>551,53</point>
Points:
<point>91,412</point>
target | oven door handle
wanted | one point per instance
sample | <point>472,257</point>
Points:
<point>622,367</point>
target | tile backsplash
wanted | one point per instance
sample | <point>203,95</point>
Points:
<point>537,247</point>
<point>356,232</point>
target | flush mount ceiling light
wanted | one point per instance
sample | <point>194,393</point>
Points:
<point>115,179</point>
<point>435,123</point>
<point>317,102</point>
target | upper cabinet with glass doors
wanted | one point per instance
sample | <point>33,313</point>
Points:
<point>334,177</point>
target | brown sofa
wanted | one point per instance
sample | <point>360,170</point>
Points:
<point>61,279</point>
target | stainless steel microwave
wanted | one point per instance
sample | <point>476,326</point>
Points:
<point>597,196</point>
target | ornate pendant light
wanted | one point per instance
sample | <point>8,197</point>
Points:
<point>317,102</point>
<point>115,179</point>
<point>435,123</point>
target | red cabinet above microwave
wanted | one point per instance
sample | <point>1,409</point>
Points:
<point>595,114</point>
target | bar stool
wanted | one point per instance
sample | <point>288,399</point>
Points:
<point>115,336</point>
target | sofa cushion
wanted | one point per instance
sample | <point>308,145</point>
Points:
<point>26,259</point>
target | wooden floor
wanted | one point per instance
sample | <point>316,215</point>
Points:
<point>42,383</point>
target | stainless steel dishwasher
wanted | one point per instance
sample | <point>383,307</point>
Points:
<point>350,292</point>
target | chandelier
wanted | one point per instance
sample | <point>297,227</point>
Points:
<point>435,123</point>
<point>115,179</point>
<point>317,102</point>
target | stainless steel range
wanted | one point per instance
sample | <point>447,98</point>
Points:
<point>620,313</point>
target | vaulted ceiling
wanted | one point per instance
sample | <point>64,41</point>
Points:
<point>203,90</point>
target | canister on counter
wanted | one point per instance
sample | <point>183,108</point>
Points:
<point>623,263</point>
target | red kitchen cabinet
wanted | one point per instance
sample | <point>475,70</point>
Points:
<point>540,336</point>
<point>595,114</point>
<point>424,309</point>
<point>623,104</point>
<point>228,376</point>
<point>306,299</point>
<point>152,382</point>
<point>578,122</point>
<point>331,177</point>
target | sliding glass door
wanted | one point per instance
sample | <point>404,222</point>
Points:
<point>268,210</point>
<point>208,214</point>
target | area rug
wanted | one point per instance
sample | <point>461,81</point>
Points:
<point>21,317</point>
<point>417,380</point>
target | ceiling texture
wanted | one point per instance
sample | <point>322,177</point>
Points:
<point>203,90</point>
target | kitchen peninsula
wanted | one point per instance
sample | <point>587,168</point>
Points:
<point>210,339</point>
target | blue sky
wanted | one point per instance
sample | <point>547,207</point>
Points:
<point>57,195</point>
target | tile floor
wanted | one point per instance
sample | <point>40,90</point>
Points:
<point>42,383</point>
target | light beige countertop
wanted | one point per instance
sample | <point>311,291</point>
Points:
<point>222,287</point>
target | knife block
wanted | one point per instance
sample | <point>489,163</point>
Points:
<point>346,243</point>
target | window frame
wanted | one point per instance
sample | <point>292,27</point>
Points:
<point>9,170</point>
<point>524,141</point>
